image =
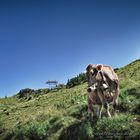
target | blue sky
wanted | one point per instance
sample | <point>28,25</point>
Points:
<point>57,39</point>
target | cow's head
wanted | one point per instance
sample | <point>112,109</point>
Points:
<point>92,73</point>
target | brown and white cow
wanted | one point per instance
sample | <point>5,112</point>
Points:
<point>103,88</point>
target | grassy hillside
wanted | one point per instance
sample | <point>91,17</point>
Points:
<point>62,114</point>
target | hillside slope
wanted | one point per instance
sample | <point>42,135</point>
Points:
<point>62,114</point>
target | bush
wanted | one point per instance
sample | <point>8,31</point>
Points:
<point>78,131</point>
<point>25,93</point>
<point>134,91</point>
<point>128,100</point>
<point>81,78</point>
<point>33,131</point>
<point>120,127</point>
<point>29,94</point>
<point>37,131</point>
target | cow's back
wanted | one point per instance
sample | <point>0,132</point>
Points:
<point>107,70</point>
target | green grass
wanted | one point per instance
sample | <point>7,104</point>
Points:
<point>121,126</point>
<point>62,114</point>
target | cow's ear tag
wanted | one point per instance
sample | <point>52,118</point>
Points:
<point>99,67</point>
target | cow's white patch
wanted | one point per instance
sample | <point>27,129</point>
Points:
<point>93,88</point>
<point>105,86</point>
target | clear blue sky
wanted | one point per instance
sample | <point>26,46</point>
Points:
<point>57,39</point>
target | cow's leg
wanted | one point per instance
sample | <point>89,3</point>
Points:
<point>106,106</point>
<point>99,111</point>
<point>90,110</point>
<point>100,94</point>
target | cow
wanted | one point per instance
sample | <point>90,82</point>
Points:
<point>103,88</point>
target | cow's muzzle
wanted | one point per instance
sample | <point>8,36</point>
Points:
<point>91,89</point>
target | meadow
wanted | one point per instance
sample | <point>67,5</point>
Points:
<point>61,114</point>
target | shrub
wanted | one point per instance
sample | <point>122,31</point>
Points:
<point>81,78</point>
<point>120,127</point>
<point>25,93</point>
<point>127,100</point>
<point>124,103</point>
<point>78,131</point>
<point>37,131</point>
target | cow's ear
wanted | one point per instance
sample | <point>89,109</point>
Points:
<point>89,67</point>
<point>99,67</point>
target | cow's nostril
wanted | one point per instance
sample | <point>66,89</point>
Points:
<point>89,90</point>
